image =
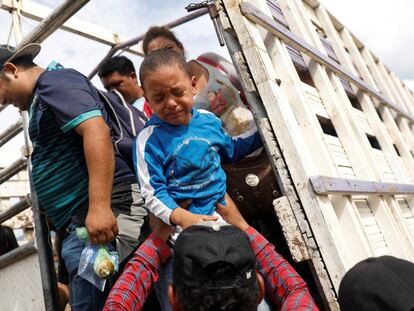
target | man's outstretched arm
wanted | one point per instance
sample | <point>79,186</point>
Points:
<point>284,287</point>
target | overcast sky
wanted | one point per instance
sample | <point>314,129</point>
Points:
<point>387,29</point>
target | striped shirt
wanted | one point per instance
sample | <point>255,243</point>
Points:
<point>62,100</point>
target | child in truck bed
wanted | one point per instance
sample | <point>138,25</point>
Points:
<point>179,152</point>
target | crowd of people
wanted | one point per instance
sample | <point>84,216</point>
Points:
<point>148,167</point>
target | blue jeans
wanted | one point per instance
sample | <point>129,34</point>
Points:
<point>161,287</point>
<point>83,295</point>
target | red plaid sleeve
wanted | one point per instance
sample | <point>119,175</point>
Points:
<point>284,287</point>
<point>134,285</point>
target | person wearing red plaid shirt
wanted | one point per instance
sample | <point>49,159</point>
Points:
<point>203,267</point>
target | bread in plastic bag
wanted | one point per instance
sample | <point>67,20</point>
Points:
<point>97,263</point>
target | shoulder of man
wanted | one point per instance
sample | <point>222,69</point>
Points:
<point>62,78</point>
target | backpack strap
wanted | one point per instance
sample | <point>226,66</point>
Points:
<point>110,109</point>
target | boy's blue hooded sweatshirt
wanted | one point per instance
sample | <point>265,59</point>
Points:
<point>175,163</point>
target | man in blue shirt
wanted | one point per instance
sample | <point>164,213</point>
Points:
<point>74,161</point>
<point>118,73</point>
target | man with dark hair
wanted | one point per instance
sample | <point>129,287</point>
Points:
<point>78,178</point>
<point>214,269</point>
<point>119,73</point>
<point>73,158</point>
<point>383,283</point>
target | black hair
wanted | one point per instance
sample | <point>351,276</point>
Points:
<point>8,240</point>
<point>156,32</point>
<point>119,64</point>
<point>25,61</point>
<point>228,299</point>
<point>162,58</point>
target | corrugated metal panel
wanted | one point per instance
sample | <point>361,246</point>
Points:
<point>371,228</point>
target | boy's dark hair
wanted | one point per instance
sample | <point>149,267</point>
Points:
<point>119,64</point>
<point>155,32</point>
<point>228,299</point>
<point>162,58</point>
<point>8,240</point>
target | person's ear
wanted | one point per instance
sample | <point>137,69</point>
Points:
<point>11,69</point>
<point>194,85</point>
<point>133,75</point>
<point>173,298</point>
<point>260,283</point>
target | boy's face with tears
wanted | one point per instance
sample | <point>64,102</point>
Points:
<point>169,90</point>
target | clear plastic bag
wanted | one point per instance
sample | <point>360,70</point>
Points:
<point>97,263</point>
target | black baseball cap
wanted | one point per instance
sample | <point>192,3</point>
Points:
<point>378,284</point>
<point>8,53</point>
<point>202,250</point>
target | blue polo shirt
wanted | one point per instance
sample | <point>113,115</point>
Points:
<point>63,99</point>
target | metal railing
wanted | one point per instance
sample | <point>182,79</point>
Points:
<point>139,38</point>
<point>16,254</point>
<point>43,247</point>
<point>11,132</point>
<point>12,170</point>
<point>15,209</point>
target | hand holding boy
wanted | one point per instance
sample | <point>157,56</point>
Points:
<point>184,218</point>
<point>231,214</point>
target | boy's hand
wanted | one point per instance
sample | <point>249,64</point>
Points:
<point>231,214</point>
<point>160,228</point>
<point>185,219</point>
